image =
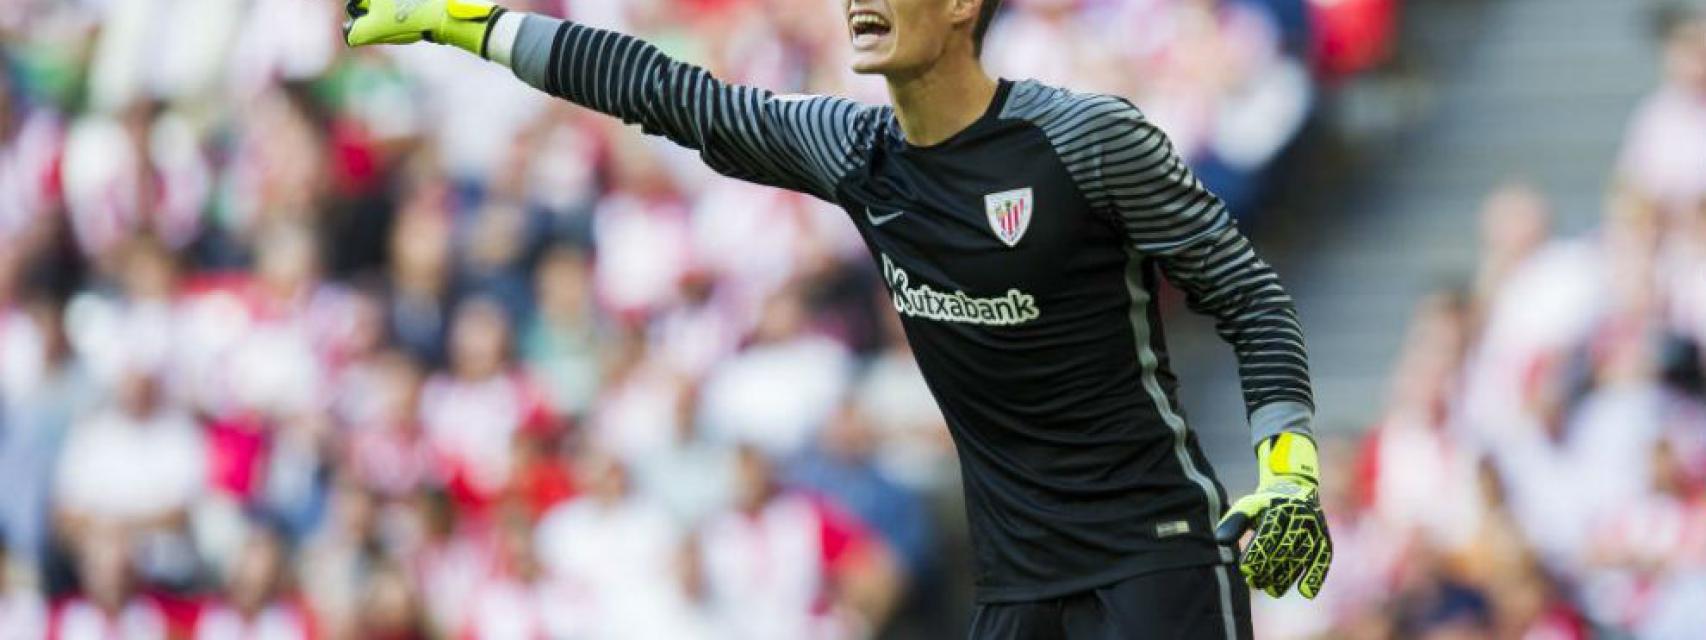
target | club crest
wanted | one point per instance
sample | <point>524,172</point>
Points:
<point>1009,214</point>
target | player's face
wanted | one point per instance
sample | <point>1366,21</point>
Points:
<point>894,37</point>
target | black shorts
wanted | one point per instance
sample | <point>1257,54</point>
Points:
<point>1196,602</point>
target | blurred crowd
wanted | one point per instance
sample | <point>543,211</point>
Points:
<point>299,342</point>
<point>1540,467</point>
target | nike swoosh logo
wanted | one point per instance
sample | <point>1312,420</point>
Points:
<point>877,221</point>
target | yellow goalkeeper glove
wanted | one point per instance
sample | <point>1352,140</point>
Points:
<point>1291,544</point>
<point>458,23</point>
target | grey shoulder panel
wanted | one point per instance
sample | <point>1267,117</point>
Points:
<point>1086,130</point>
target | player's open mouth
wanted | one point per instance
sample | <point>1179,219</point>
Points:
<point>867,27</point>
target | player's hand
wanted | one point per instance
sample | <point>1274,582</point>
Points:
<point>459,23</point>
<point>1291,543</point>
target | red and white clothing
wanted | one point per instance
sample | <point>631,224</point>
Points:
<point>113,335</point>
<point>616,568</point>
<point>768,573</point>
<point>754,240</point>
<point>23,354</point>
<point>23,616</point>
<point>1664,153</point>
<point>393,460</point>
<point>278,621</point>
<point>506,608</point>
<point>79,619</point>
<point>29,172</point>
<point>449,571</point>
<point>116,466</point>
<point>237,452</point>
<point>1656,531</point>
<point>472,425</point>
<point>644,250</point>
<point>739,402</point>
<point>111,192</point>
<point>1547,305</point>
<point>1420,480</point>
<point>1353,35</point>
<point>1682,282</point>
<point>257,350</point>
<point>638,415</point>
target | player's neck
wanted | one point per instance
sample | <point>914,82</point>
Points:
<point>941,101</point>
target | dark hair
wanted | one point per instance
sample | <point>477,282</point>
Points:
<point>1666,20</point>
<point>985,15</point>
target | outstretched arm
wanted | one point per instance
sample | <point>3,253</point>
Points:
<point>801,143</point>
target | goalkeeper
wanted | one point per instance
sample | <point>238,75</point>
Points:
<point>1021,230</point>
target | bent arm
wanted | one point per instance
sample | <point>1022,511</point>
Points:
<point>1169,215</point>
<point>1223,278</point>
<point>795,142</point>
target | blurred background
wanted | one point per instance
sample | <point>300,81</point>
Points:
<point>298,342</point>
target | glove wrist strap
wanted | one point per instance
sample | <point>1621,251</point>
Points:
<point>491,22</point>
<point>1288,454</point>
<point>467,25</point>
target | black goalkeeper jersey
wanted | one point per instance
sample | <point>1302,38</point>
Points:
<point>1023,255</point>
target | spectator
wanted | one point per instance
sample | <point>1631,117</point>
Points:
<point>1664,154</point>
<point>560,342</point>
<point>390,608</point>
<point>363,368</point>
<point>418,302</point>
<point>138,170</point>
<point>644,404</point>
<point>44,389</point>
<point>339,559</point>
<point>779,564</point>
<point>23,615</point>
<point>640,230</point>
<point>296,324</point>
<point>1515,222</point>
<point>740,400</point>
<point>390,453</point>
<point>110,605</point>
<point>514,600</point>
<point>30,141</point>
<point>845,471</point>
<point>447,557</point>
<point>543,476</point>
<point>1039,42</point>
<point>617,558</point>
<point>257,603</point>
<point>474,411</point>
<point>138,467</point>
<point>1681,277</point>
<point>1439,504</point>
<point>276,176</point>
<point>914,449</point>
<point>142,324</point>
<point>493,254</point>
<point>692,477</point>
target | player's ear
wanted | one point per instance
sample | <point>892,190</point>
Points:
<point>964,12</point>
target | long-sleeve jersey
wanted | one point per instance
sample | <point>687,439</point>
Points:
<point>1023,255</point>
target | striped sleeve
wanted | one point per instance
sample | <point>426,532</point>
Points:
<point>1168,214</point>
<point>1126,167</point>
<point>801,143</point>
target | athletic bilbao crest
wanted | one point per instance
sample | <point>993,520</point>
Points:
<point>1009,214</point>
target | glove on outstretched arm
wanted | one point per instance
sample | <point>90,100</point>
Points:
<point>464,24</point>
<point>1291,544</point>
<point>801,143</point>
